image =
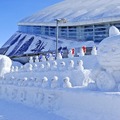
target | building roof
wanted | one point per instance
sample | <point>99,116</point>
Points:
<point>76,12</point>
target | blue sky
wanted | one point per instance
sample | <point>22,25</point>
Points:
<point>12,11</point>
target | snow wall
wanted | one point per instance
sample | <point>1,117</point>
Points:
<point>73,104</point>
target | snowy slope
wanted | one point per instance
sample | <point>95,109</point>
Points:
<point>77,11</point>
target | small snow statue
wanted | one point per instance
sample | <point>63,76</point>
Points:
<point>81,52</point>
<point>67,83</point>
<point>47,65</point>
<point>16,68</point>
<point>45,83</point>
<point>70,54</point>
<point>5,65</point>
<point>43,58</point>
<point>80,65</point>
<point>59,56</point>
<point>54,65</point>
<point>94,51</point>
<point>71,65</point>
<point>54,82</point>
<point>62,66</point>
<point>12,69</point>
<point>42,66</point>
<point>31,60</point>
<point>28,67</point>
<point>51,57</point>
<point>36,59</point>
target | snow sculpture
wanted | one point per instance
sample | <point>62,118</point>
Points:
<point>107,77</point>
<point>70,55</point>
<point>42,66</point>
<point>71,65</point>
<point>80,65</point>
<point>12,69</point>
<point>67,83</point>
<point>54,65</point>
<point>45,82</point>
<point>51,57</point>
<point>37,59</point>
<point>5,65</point>
<point>16,69</point>
<point>94,51</point>
<point>54,82</point>
<point>81,52</point>
<point>62,66</point>
<point>59,56</point>
<point>31,60</point>
<point>47,66</point>
<point>28,67</point>
<point>43,58</point>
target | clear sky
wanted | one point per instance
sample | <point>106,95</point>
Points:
<point>12,11</point>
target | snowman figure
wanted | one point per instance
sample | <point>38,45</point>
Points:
<point>28,67</point>
<point>16,69</point>
<point>81,53</point>
<point>80,65</point>
<point>31,60</point>
<point>70,55</point>
<point>43,59</point>
<point>37,59</point>
<point>107,77</point>
<point>45,83</point>
<point>67,83</point>
<point>12,69</point>
<point>62,66</point>
<point>59,56</point>
<point>54,82</point>
<point>47,66</point>
<point>94,51</point>
<point>71,65</point>
<point>51,58</point>
<point>54,65</point>
<point>42,66</point>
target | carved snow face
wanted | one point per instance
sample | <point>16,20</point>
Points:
<point>109,52</point>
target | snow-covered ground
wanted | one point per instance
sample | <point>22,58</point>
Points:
<point>17,111</point>
<point>75,88</point>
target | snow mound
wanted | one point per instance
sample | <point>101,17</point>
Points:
<point>5,65</point>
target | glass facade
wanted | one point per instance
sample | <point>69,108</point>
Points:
<point>94,32</point>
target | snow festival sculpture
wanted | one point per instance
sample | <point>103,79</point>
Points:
<point>5,65</point>
<point>107,76</point>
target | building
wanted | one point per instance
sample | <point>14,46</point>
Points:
<point>87,20</point>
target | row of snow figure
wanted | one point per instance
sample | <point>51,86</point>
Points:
<point>47,66</point>
<point>35,82</point>
<point>59,56</point>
